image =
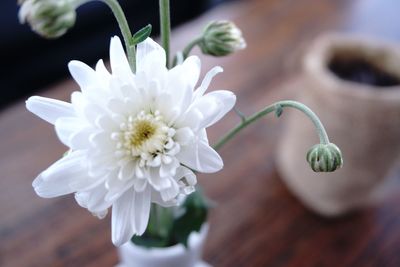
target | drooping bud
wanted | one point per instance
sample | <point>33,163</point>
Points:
<point>221,38</point>
<point>325,158</point>
<point>48,18</point>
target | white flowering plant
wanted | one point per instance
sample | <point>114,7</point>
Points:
<point>136,134</point>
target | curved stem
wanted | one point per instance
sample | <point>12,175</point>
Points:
<point>165,27</point>
<point>123,25</point>
<point>190,46</point>
<point>126,32</point>
<point>323,137</point>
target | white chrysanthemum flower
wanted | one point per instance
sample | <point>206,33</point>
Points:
<point>134,138</point>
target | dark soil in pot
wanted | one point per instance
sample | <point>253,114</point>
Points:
<point>360,70</point>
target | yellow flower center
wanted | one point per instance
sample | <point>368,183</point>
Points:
<point>143,135</point>
<point>143,131</point>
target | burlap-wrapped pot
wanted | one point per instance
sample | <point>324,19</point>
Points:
<point>363,120</point>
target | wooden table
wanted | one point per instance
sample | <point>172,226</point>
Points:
<point>257,222</point>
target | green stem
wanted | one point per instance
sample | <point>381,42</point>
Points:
<point>165,26</point>
<point>153,220</point>
<point>323,137</point>
<point>123,25</point>
<point>190,46</point>
<point>126,32</point>
<point>160,221</point>
<point>186,50</point>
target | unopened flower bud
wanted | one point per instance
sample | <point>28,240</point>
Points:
<point>221,38</point>
<point>48,18</point>
<point>325,158</point>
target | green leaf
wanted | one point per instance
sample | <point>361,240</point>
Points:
<point>194,215</point>
<point>161,221</point>
<point>141,35</point>
<point>159,228</point>
<point>150,242</point>
<point>170,226</point>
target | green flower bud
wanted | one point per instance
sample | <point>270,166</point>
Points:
<point>325,158</point>
<point>48,18</point>
<point>221,38</point>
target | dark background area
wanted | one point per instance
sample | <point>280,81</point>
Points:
<point>30,62</point>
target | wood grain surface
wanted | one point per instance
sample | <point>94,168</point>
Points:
<point>256,222</point>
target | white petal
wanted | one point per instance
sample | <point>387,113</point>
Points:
<point>207,80</point>
<point>156,198</point>
<point>226,100</point>
<point>139,172</point>
<point>151,61</point>
<point>94,199</point>
<point>116,187</point>
<point>181,82</point>
<point>191,70</point>
<point>122,210</point>
<point>186,75</point>
<point>140,184</point>
<point>170,192</point>
<point>103,142</point>
<point>99,164</point>
<point>129,91</point>
<point>84,75</point>
<point>202,135</point>
<point>118,59</point>
<point>214,106</point>
<point>147,47</point>
<point>186,180</point>
<point>200,157</point>
<point>184,135</point>
<point>183,172</point>
<point>80,139</point>
<point>78,101</point>
<point>165,104</point>
<point>127,171</point>
<point>106,123</point>
<point>193,119</point>
<point>142,202</point>
<point>92,112</point>
<point>159,183</point>
<point>208,108</point>
<point>65,176</point>
<point>100,214</point>
<point>65,127</point>
<point>169,170</point>
<point>102,72</point>
<point>49,109</point>
<point>118,106</point>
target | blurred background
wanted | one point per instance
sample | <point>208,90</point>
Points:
<point>258,221</point>
<point>42,62</point>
